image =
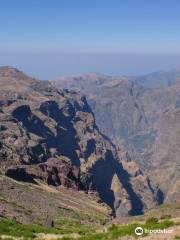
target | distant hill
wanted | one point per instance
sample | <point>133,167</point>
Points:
<point>159,79</point>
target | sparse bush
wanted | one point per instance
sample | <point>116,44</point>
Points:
<point>177,237</point>
<point>152,220</point>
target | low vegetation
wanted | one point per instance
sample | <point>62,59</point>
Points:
<point>65,228</point>
<point>14,229</point>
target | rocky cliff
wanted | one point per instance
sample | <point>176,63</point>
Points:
<point>140,114</point>
<point>49,135</point>
<point>118,109</point>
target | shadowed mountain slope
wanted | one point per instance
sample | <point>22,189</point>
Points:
<point>50,135</point>
<point>140,115</point>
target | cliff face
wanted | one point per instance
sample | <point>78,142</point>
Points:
<point>140,114</point>
<point>119,112</point>
<point>114,101</point>
<point>50,135</point>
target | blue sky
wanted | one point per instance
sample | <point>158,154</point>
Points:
<point>49,31</point>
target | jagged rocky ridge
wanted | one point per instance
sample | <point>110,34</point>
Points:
<point>141,115</point>
<point>50,135</point>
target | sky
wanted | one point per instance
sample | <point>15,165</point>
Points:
<point>48,38</point>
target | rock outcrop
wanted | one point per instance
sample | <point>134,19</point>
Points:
<point>50,135</point>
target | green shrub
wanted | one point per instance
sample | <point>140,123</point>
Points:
<point>152,220</point>
<point>28,231</point>
<point>177,237</point>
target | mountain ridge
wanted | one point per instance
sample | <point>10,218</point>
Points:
<point>132,116</point>
<point>50,135</point>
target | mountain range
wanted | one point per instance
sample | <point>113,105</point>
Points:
<point>50,142</point>
<point>140,115</point>
<point>80,153</point>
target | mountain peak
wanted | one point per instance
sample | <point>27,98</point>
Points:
<point>9,71</point>
<point>12,78</point>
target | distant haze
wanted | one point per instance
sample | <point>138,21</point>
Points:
<point>48,39</point>
<point>52,65</point>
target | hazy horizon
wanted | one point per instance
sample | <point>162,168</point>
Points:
<point>53,65</point>
<point>51,38</point>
